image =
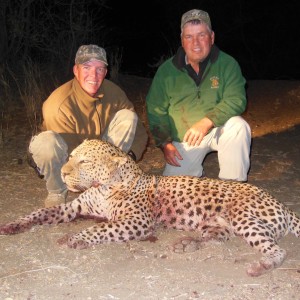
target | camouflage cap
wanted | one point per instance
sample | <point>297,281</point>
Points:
<point>195,14</point>
<point>87,53</point>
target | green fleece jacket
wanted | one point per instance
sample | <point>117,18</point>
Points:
<point>176,100</point>
<point>71,112</point>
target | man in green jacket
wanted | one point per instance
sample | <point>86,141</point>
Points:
<point>87,107</point>
<point>195,102</point>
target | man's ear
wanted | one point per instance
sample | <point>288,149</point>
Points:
<point>212,37</point>
<point>75,71</point>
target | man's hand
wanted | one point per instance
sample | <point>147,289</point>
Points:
<point>171,154</point>
<point>197,132</point>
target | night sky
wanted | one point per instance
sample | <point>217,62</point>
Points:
<point>262,35</point>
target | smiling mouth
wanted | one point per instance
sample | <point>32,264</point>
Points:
<point>92,82</point>
<point>197,49</point>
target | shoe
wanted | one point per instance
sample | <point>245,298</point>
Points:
<point>132,155</point>
<point>56,199</point>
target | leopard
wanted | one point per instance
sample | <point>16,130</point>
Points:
<point>130,204</point>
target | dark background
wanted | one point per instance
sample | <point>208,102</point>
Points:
<point>262,35</point>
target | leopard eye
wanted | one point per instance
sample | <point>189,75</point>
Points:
<point>84,161</point>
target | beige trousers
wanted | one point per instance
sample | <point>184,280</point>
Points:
<point>50,151</point>
<point>232,142</point>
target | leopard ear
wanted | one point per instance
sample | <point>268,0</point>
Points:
<point>120,161</point>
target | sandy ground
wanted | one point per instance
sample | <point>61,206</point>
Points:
<point>34,266</point>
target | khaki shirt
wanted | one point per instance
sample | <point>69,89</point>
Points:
<point>71,112</point>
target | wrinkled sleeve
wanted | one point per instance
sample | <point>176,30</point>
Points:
<point>157,102</point>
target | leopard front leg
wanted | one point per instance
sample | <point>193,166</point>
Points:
<point>94,203</point>
<point>108,232</point>
<point>53,215</point>
<point>90,203</point>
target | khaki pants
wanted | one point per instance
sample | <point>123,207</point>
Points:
<point>232,142</point>
<point>50,151</point>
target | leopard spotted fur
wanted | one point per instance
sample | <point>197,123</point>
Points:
<point>133,203</point>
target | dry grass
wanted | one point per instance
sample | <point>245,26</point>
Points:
<point>115,62</point>
<point>7,101</point>
<point>32,94</point>
<point>29,87</point>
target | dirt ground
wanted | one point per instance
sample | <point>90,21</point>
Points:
<point>34,266</point>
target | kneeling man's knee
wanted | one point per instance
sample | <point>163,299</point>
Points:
<point>47,144</point>
<point>238,124</point>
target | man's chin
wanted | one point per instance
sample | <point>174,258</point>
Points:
<point>91,92</point>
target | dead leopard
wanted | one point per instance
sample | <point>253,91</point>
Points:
<point>133,203</point>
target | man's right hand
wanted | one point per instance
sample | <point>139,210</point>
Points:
<point>171,154</point>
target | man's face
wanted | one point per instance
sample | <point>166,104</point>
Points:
<point>90,75</point>
<point>197,40</point>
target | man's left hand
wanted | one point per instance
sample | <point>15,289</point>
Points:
<point>197,132</point>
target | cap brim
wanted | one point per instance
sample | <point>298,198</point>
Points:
<point>93,59</point>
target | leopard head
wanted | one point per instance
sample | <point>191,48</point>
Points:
<point>95,163</point>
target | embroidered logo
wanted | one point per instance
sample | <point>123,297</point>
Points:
<point>214,82</point>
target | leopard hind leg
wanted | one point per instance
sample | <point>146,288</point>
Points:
<point>262,237</point>
<point>272,258</point>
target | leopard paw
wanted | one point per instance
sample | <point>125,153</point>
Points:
<point>186,245</point>
<point>64,240</point>
<point>256,269</point>
<point>77,243</point>
<point>72,241</point>
<point>13,228</point>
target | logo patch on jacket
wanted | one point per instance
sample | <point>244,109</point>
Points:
<point>214,82</point>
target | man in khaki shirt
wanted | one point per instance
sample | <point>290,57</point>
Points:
<point>87,107</point>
